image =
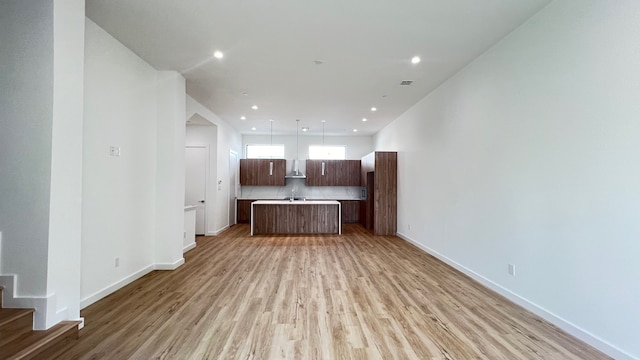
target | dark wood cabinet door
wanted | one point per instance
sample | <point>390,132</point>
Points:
<point>262,172</point>
<point>350,211</point>
<point>333,173</point>
<point>314,176</point>
<point>279,171</point>
<point>320,173</point>
<point>244,211</point>
<point>348,173</point>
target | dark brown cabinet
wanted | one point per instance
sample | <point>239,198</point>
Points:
<point>379,176</point>
<point>244,211</point>
<point>350,211</point>
<point>333,173</point>
<point>262,172</point>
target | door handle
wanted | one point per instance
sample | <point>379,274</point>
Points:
<point>323,168</point>
<point>201,201</point>
<point>270,168</point>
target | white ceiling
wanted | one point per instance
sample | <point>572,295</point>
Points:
<point>270,47</point>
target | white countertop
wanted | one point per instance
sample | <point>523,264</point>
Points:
<point>316,199</point>
<point>295,202</point>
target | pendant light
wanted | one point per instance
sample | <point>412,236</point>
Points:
<point>297,148</point>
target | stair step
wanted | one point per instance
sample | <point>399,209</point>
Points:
<point>14,323</point>
<point>41,344</point>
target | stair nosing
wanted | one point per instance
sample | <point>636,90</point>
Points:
<point>45,341</point>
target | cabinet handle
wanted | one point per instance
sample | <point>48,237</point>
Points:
<point>323,168</point>
<point>270,168</point>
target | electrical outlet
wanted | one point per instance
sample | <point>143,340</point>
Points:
<point>409,226</point>
<point>184,234</point>
<point>114,150</point>
<point>512,269</point>
<point>117,262</point>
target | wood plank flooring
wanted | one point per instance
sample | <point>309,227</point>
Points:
<point>354,296</point>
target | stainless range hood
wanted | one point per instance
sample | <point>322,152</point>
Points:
<point>295,173</point>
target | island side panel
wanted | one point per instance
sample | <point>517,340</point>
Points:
<point>296,219</point>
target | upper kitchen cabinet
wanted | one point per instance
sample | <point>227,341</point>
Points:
<point>262,172</point>
<point>333,173</point>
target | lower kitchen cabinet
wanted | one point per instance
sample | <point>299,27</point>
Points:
<point>350,211</point>
<point>244,211</point>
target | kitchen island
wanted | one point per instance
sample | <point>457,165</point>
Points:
<point>295,217</point>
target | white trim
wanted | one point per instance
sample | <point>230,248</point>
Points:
<point>189,247</point>
<point>115,286</point>
<point>166,266</point>
<point>11,300</point>
<point>219,231</point>
<point>563,324</point>
<point>207,188</point>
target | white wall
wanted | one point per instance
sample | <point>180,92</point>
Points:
<point>170,166</point>
<point>226,138</point>
<point>41,78</point>
<point>529,156</point>
<point>129,199</point>
<point>357,146</point>
<point>65,225</point>
<point>26,108</point>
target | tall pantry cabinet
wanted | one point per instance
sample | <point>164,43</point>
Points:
<point>379,175</point>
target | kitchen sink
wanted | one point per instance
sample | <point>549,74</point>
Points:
<point>296,198</point>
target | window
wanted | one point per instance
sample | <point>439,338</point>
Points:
<point>327,152</point>
<point>265,151</point>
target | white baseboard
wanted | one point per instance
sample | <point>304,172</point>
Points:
<point>115,286</point>
<point>565,325</point>
<point>39,303</point>
<point>218,232</point>
<point>172,266</point>
<point>189,247</point>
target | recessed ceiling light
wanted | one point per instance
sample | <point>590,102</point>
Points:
<point>374,109</point>
<point>323,120</point>
<point>253,128</point>
<point>218,54</point>
<point>355,130</point>
<point>243,118</point>
<point>415,59</point>
<point>305,129</point>
<point>364,119</point>
<point>271,120</point>
<point>255,107</point>
<point>318,62</point>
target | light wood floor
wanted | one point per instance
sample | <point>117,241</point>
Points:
<point>354,296</point>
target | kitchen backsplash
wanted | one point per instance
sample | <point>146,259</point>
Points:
<point>310,192</point>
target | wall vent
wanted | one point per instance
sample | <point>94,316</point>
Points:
<point>406,82</point>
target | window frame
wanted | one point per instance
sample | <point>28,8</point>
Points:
<point>328,158</point>
<point>271,156</point>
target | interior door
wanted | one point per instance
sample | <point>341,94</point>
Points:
<point>196,158</point>
<point>233,186</point>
